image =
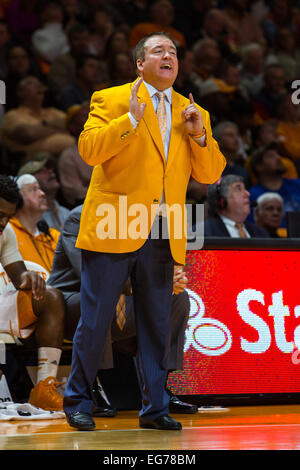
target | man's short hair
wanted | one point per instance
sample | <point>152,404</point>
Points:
<point>220,190</point>
<point>259,154</point>
<point>266,197</point>
<point>9,189</point>
<point>139,50</point>
<point>220,128</point>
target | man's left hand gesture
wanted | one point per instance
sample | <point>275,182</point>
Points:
<point>192,118</point>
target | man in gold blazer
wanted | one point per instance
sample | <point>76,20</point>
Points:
<point>144,146</point>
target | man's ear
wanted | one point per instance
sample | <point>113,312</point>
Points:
<point>140,67</point>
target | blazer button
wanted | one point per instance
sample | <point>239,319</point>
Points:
<point>155,200</point>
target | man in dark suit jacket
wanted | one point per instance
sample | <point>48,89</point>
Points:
<point>65,276</point>
<point>229,206</point>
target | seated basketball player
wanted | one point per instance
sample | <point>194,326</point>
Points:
<point>33,308</point>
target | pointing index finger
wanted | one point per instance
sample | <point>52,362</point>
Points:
<point>191,98</point>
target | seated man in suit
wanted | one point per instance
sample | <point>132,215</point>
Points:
<point>65,276</point>
<point>229,206</point>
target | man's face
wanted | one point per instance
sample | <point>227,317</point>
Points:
<point>160,66</point>
<point>80,42</point>
<point>47,179</point>
<point>272,163</point>
<point>18,61</point>
<point>33,91</point>
<point>270,214</point>
<point>238,202</point>
<point>34,198</point>
<point>7,210</point>
<point>229,141</point>
<point>90,70</point>
<point>275,80</point>
<point>267,135</point>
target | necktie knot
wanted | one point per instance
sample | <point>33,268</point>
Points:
<point>161,96</point>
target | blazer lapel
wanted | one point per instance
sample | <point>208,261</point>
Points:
<point>151,120</point>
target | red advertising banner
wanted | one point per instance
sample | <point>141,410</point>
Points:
<point>243,333</point>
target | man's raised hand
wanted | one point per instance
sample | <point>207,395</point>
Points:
<point>192,118</point>
<point>135,108</point>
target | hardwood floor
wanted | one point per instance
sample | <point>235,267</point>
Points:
<point>235,428</point>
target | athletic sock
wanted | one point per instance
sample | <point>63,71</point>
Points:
<point>48,361</point>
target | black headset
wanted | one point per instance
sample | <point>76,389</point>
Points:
<point>221,201</point>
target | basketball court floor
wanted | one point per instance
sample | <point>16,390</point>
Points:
<point>232,428</point>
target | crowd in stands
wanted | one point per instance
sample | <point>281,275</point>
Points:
<point>239,59</point>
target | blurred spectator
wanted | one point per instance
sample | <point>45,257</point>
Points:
<point>242,26</point>
<point>121,70</point>
<point>280,15</point>
<point>31,128</point>
<point>252,72</point>
<point>186,66</point>
<point>74,13</point>
<point>264,135</point>
<point>19,65</point>
<point>286,53</point>
<point>268,214</point>
<point>215,27</point>
<point>87,76</point>
<point>4,41</point>
<point>229,205</point>
<point>22,19</point>
<point>74,173</point>
<point>260,9</point>
<point>207,57</point>
<point>117,42</point>
<point>36,241</point>
<point>227,135</point>
<point>101,28</point>
<point>63,69</point>
<point>228,74</point>
<point>133,11</point>
<point>242,114</point>
<point>216,98</point>
<point>50,41</point>
<point>43,168</point>
<point>268,168</point>
<point>189,17</point>
<point>274,88</point>
<point>162,17</point>
<point>289,126</point>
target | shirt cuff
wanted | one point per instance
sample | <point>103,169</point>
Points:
<point>200,140</point>
<point>133,121</point>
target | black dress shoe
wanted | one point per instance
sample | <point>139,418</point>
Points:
<point>81,421</point>
<point>102,408</point>
<point>164,423</point>
<point>178,406</point>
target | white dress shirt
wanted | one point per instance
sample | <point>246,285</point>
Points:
<point>232,229</point>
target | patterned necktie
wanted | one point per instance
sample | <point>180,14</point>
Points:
<point>241,230</point>
<point>162,114</point>
<point>120,312</point>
